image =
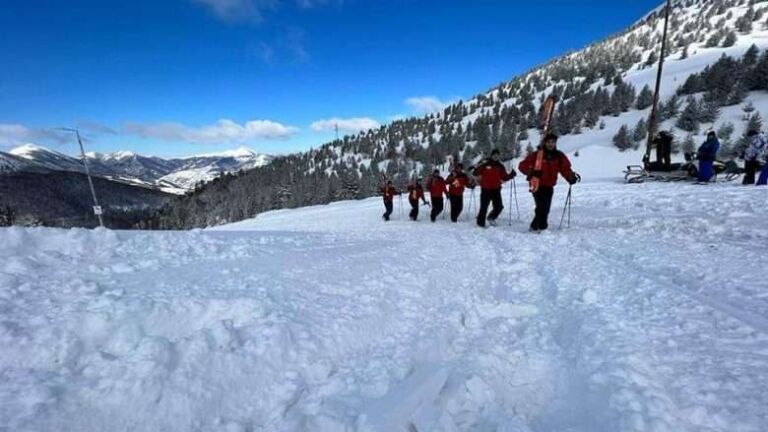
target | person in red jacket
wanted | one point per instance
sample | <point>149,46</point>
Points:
<point>415,193</point>
<point>388,192</point>
<point>491,174</point>
<point>457,182</point>
<point>436,186</point>
<point>551,162</point>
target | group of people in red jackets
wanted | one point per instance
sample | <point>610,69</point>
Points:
<point>541,167</point>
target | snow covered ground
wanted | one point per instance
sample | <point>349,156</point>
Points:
<point>649,314</point>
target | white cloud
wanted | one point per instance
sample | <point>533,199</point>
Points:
<point>347,125</point>
<point>426,104</point>
<point>239,10</point>
<point>224,131</point>
<point>12,135</point>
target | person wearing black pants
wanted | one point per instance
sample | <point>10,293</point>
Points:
<point>457,206</point>
<point>757,145</point>
<point>436,185</point>
<point>491,174</point>
<point>545,164</point>
<point>415,193</point>
<point>487,197</point>
<point>543,200</point>
<point>388,193</point>
<point>457,182</point>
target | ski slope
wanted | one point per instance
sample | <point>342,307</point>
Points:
<point>649,314</point>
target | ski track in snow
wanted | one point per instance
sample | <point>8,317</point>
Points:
<point>649,314</point>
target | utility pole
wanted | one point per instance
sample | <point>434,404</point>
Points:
<point>652,126</point>
<point>96,207</point>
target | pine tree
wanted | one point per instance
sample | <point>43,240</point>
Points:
<point>738,94</point>
<point>689,145</point>
<point>645,98</point>
<point>759,75</point>
<point>640,132</point>
<point>622,139</point>
<point>652,59</point>
<point>730,39</point>
<point>714,40</point>
<point>754,122</point>
<point>751,56</point>
<point>685,54</point>
<point>725,133</point>
<point>689,118</point>
<point>670,109</point>
<point>709,109</point>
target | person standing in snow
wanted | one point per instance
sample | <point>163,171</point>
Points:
<point>553,162</point>
<point>388,192</point>
<point>457,182</point>
<point>491,174</point>
<point>663,141</point>
<point>763,180</point>
<point>707,154</point>
<point>758,143</point>
<point>436,186</point>
<point>415,193</point>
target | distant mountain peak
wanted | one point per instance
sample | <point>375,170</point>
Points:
<point>28,150</point>
<point>240,152</point>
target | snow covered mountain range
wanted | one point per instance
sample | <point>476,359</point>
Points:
<point>177,175</point>
<point>715,77</point>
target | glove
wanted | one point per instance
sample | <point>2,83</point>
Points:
<point>512,173</point>
<point>575,178</point>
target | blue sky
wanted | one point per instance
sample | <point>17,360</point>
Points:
<point>179,77</point>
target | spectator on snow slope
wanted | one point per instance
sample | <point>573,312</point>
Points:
<point>758,144</point>
<point>707,154</point>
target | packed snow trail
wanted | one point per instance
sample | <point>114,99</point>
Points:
<point>649,314</point>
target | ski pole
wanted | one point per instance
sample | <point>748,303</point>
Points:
<point>510,207</point>
<point>567,207</point>
<point>471,202</point>
<point>517,205</point>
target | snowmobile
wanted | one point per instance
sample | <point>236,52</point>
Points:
<point>685,171</point>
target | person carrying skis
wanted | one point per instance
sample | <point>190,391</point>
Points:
<point>457,182</point>
<point>491,174</point>
<point>551,162</point>
<point>415,193</point>
<point>388,192</point>
<point>706,155</point>
<point>436,186</point>
<point>758,143</point>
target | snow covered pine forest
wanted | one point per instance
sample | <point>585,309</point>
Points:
<point>650,313</point>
